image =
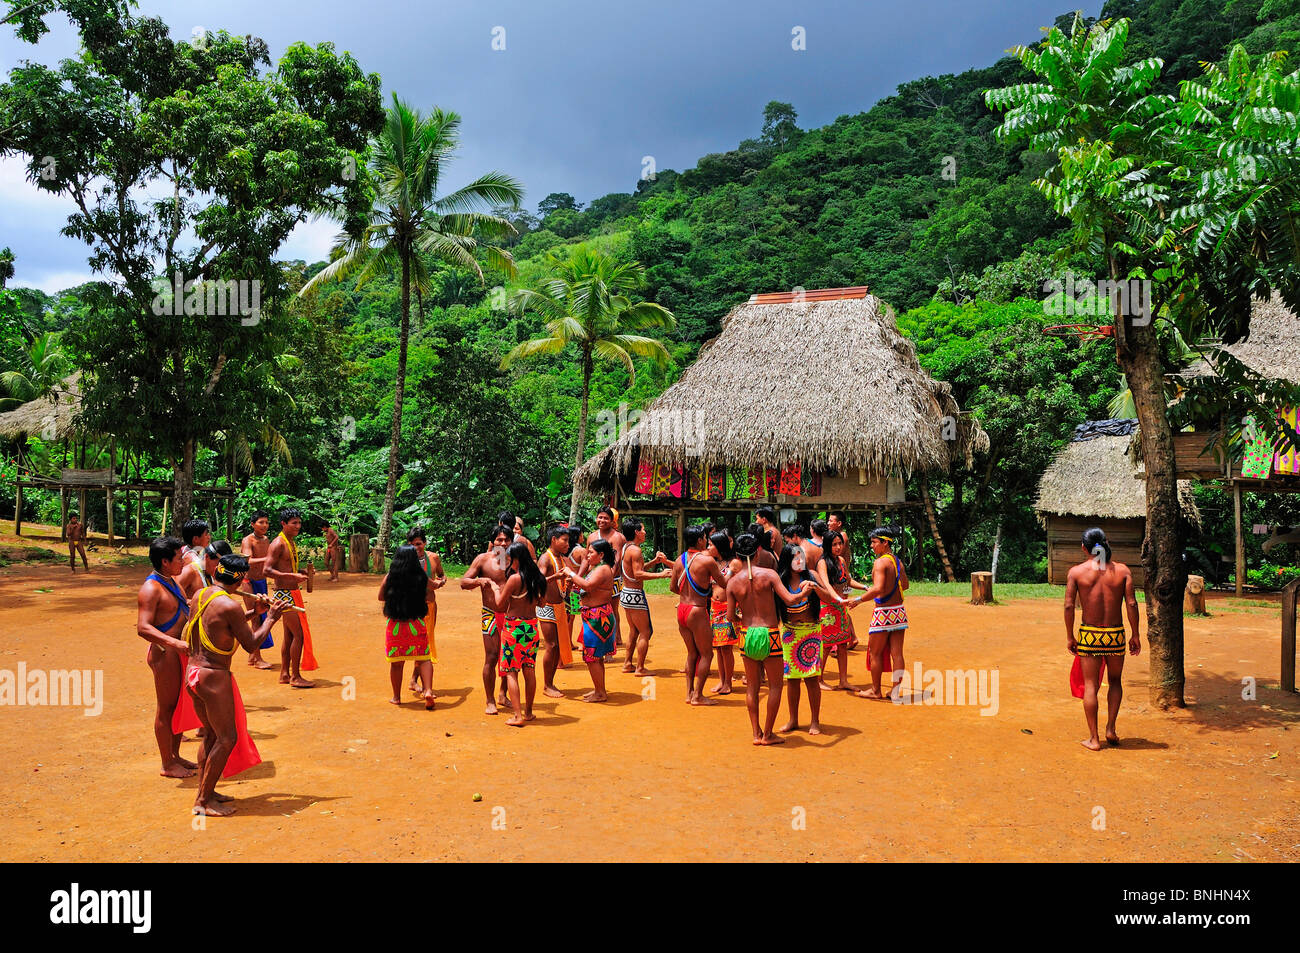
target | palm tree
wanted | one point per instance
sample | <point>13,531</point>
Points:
<point>409,221</point>
<point>586,305</point>
<point>40,371</point>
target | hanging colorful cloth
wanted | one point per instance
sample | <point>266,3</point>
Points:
<point>810,482</point>
<point>736,479</point>
<point>662,476</point>
<point>1258,461</point>
<point>1288,462</point>
<point>677,481</point>
<point>755,483</point>
<point>773,482</point>
<point>717,482</point>
<point>790,478</point>
<point>644,477</point>
<point>698,488</point>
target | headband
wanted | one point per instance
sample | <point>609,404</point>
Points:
<point>882,537</point>
<point>232,578</point>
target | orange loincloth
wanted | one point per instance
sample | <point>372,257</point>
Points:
<point>245,754</point>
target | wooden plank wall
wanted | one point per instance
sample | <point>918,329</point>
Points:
<point>1065,533</point>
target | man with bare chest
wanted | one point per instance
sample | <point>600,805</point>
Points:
<point>490,568</point>
<point>255,547</point>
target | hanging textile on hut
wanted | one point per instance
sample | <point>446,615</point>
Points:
<point>736,480</point>
<point>755,483</point>
<point>1289,462</point>
<point>810,482</point>
<point>1258,461</point>
<point>790,480</point>
<point>645,472</point>
<point>717,489</point>
<point>662,477</point>
<point>698,488</point>
<point>677,480</point>
<point>773,484</point>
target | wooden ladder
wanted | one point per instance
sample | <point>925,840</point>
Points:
<point>934,531</point>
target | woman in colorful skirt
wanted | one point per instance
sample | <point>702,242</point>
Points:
<point>404,595</point>
<point>598,619</point>
<point>833,574</point>
<point>431,563</point>
<point>517,599</point>
<point>801,636</point>
<point>724,634</point>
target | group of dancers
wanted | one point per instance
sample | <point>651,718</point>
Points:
<point>782,596</point>
<point>216,595</point>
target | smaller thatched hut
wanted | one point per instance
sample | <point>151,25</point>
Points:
<point>50,419</point>
<point>1094,481</point>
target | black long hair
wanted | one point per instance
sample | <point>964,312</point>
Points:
<point>722,543</point>
<point>789,579</point>
<point>833,573</point>
<point>605,550</point>
<point>406,596</point>
<point>1096,537</point>
<point>763,536</point>
<point>534,581</point>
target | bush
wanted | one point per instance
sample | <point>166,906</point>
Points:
<point>1272,577</point>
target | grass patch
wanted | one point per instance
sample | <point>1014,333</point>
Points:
<point>28,554</point>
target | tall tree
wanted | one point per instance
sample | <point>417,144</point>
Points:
<point>586,306</point>
<point>409,221</point>
<point>186,156</point>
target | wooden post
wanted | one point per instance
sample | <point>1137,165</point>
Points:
<point>1241,551</point>
<point>63,514</point>
<point>230,520</point>
<point>358,548</point>
<point>681,530</point>
<point>139,510</point>
<point>81,507</point>
<point>981,588</point>
<point>108,496</point>
<point>166,501</point>
<point>1194,596</point>
<point>18,508</point>
<point>378,559</point>
<point>1288,635</point>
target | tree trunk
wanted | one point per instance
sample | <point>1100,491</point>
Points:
<point>390,490</point>
<point>997,550</point>
<point>582,436</point>
<point>1166,576</point>
<point>182,487</point>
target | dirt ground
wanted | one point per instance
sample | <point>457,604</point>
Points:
<point>646,777</point>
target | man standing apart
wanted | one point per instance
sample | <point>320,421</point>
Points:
<point>282,569</point>
<point>1104,590</point>
<point>76,543</point>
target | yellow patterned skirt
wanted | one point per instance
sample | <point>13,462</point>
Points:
<point>1095,640</point>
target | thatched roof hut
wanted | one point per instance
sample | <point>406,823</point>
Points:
<point>51,419</point>
<point>1273,346</point>
<point>1094,481</point>
<point>822,377</point>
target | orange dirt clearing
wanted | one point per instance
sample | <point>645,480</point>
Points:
<point>347,776</point>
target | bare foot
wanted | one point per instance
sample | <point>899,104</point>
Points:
<point>720,689</point>
<point>262,664</point>
<point>629,668</point>
<point>213,809</point>
<point>515,722</point>
<point>643,672</point>
<point>394,701</point>
<point>284,678</point>
<point>178,771</point>
<point>428,702</point>
<point>1092,744</point>
<point>221,798</point>
<point>871,693</point>
<point>300,682</point>
<point>185,762</point>
<point>593,697</point>
<point>1112,739</point>
<point>791,725</point>
<point>772,740</point>
<point>701,700</point>
<point>530,717</point>
<point>491,709</point>
<point>415,689</point>
<point>814,729</point>
<point>826,688</point>
<point>550,691</point>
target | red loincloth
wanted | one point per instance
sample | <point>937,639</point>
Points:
<point>245,754</point>
<point>309,663</point>
<point>1076,678</point>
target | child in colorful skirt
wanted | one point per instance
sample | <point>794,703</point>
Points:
<point>404,595</point>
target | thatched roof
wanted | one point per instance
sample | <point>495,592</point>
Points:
<point>1273,347</point>
<point>827,381</point>
<point>1095,475</point>
<point>52,419</point>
